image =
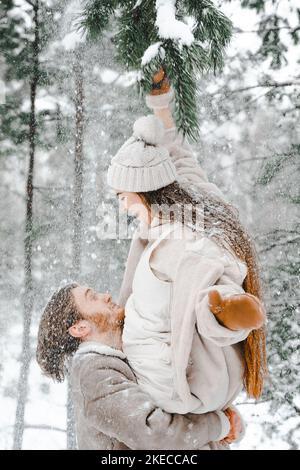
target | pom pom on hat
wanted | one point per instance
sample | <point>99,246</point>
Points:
<point>138,167</point>
<point>150,129</point>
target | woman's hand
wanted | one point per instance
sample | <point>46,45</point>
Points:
<point>160,86</point>
<point>160,83</point>
<point>235,426</point>
<point>237,312</point>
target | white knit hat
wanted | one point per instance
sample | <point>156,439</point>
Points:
<point>142,163</point>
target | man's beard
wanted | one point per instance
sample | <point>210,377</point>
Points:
<point>109,323</point>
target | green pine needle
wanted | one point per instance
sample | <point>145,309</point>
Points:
<point>183,64</point>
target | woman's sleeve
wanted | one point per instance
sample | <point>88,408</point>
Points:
<point>233,273</point>
<point>188,168</point>
<point>207,324</point>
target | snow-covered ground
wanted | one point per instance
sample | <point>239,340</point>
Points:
<point>46,401</point>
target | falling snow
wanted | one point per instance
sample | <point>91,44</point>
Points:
<point>245,126</point>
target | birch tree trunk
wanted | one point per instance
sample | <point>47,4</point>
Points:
<point>28,241</point>
<point>77,213</point>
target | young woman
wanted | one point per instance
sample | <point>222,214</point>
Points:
<point>193,330</point>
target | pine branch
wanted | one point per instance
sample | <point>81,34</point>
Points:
<point>233,115</point>
<point>252,403</point>
<point>30,3</point>
<point>139,27</point>
<point>95,17</point>
<point>212,26</point>
<point>226,92</point>
<point>239,162</point>
<point>266,30</point>
<point>266,85</point>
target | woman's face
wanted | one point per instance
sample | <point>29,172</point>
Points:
<point>134,205</point>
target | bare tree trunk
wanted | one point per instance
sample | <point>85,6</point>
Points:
<point>78,169</point>
<point>28,293</point>
<point>71,432</point>
<point>77,211</point>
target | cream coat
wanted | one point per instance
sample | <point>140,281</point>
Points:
<point>206,356</point>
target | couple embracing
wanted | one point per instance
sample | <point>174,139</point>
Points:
<point>161,368</point>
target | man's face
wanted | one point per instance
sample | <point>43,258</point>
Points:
<point>98,308</point>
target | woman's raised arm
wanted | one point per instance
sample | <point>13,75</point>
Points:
<point>188,168</point>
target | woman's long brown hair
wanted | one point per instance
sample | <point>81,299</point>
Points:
<point>221,223</point>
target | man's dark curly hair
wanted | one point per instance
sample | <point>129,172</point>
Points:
<point>55,344</point>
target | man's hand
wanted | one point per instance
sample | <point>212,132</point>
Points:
<point>235,426</point>
<point>237,312</point>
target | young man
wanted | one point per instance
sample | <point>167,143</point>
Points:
<point>112,411</point>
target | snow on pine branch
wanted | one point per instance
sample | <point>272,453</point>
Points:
<point>152,52</point>
<point>168,26</point>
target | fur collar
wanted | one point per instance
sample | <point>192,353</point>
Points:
<point>88,347</point>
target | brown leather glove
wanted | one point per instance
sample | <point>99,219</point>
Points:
<point>237,312</point>
<point>160,83</point>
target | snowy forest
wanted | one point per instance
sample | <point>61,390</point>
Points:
<point>67,104</point>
